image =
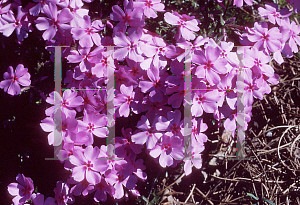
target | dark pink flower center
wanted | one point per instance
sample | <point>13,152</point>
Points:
<point>134,71</point>
<point>126,18</point>
<point>129,99</point>
<point>89,31</point>
<point>88,165</point>
<point>14,78</point>
<point>90,127</point>
<point>258,62</point>
<point>200,99</point>
<point>208,65</point>
<point>148,4</point>
<point>65,103</point>
<point>174,128</point>
<point>265,37</point>
<point>166,147</point>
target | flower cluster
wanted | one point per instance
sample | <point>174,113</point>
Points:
<point>149,79</point>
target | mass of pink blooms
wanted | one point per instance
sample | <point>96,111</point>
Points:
<point>150,81</point>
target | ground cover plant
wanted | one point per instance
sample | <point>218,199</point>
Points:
<point>155,105</point>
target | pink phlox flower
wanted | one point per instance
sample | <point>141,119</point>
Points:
<point>19,23</point>
<point>36,10</point>
<point>3,10</point>
<point>272,13</point>
<point>267,40</point>
<point>175,84</point>
<point>155,85</point>
<point>38,199</point>
<point>67,102</point>
<point>258,61</point>
<point>102,189</point>
<point>155,51</point>
<point>62,194</point>
<point>210,64</point>
<point>290,32</point>
<point>83,187</point>
<point>155,109</point>
<point>194,157</point>
<point>250,87</point>
<point>172,124</point>
<point>55,21</point>
<point>129,45</point>
<point>239,3</point>
<point>124,99</point>
<point>85,57</point>
<point>21,190</point>
<point>88,165</point>
<point>108,153</point>
<point>187,25</point>
<point>204,100</point>
<point>227,91</point>
<point>136,166</point>
<point>149,7</point>
<point>12,79</point>
<point>134,72</point>
<point>64,126</point>
<point>93,124</point>
<point>198,128</point>
<point>131,17</point>
<point>149,134</point>
<point>106,60</point>
<point>120,179</point>
<point>76,10</point>
<point>196,45</point>
<point>70,80</point>
<point>124,145</point>
<point>86,33</point>
<point>167,150</point>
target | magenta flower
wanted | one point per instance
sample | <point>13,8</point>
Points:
<point>124,99</point>
<point>93,124</point>
<point>55,21</point>
<point>149,135</point>
<point>36,10</point>
<point>38,199</point>
<point>62,194</point>
<point>194,157</point>
<point>129,45</point>
<point>102,189</point>
<point>265,39</point>
<point>133,18</point>
<point>155,86</point>
<point>155,51</point>
<point>19,23</point>
<point>88,165</point>
<point>186,24</point>
<point>198,127</point>
<point>272,13</point>
<point>210,64</point>
<point>239,3</point>
<point>67,102</point>
<point>86,33</point>
<point>149,6</point>
<point>21,190</point>
<point>204,100</point>
<point>258,61</point>
<point>290,32</point>
<point>12,79</point>
<point>168,149</point>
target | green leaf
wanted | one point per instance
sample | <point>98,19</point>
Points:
<point>222,20</point>
<point>254,197</point>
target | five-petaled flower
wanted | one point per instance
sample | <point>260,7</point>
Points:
<point>12,79</point>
